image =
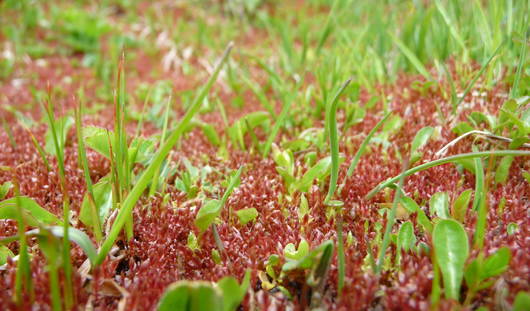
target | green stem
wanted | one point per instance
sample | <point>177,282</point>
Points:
<point>54,286</point>
<point>445,160</point>
<point>391,217</point>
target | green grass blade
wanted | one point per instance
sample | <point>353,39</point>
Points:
<point>450,159</point>
<point>413,59</point>
<point>365,143</point>
<point>334,140</point>
<point>522,59</point>
<point>81,151</point>
<point>391,217</point>
<point>279,123</point>
<point>479,204</point>
<point>481,71</point>
<point>59,153</point>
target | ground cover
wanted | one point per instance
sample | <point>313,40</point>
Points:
<point>264,155</point>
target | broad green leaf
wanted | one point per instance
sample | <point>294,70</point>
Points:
<point>4,189</point>
<point>191,296</point>
<point>98,139</point>
<point>462,128</point>
<point>472,274</point>
<point>451,249</point>
<point>439,205</point>
<point>461,204</point>
<point>233,293</point>
<point>207,214</point>
<point>522,302</point>
<point>422,219</point>
<point>501,174</point>
<point>406,238</point>
<point>508,106</point>
<point>37,214</point>
<point>496,263</point>
<point>419,141</point>
<point>410,205</point>
<point>103,197</point>
<point>247,215</point>
<point>4,253</point>
<point>212,208</point>
<point>319,171</point>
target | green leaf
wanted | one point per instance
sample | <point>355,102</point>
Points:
<point>207,214</point>
<point>472,274</point>
<point>479,117</point>
<point>103,197</point>
<point>62,125</point>
<point>4,189</point>
<point>193,244</point>
<point>291,252</point>
<point>451,249</point>
<point>412,58</point>
<point>303,209</point>
<point>212,208</point>
<point>319,171</point>
<point>233,293</point>
<point>78,237</point>
<point>390,127</point>
<point>191,296</point>
<point>522,301</point>
<point>364,144</point>
<point>406,238</point>
<point>422,219</point>
<point>317,260</point>
<point>501,174</point>
<point>37,214</point>
<point>439,205</point>
<point>4,253</point>
<point>247,215</point>
<point>462,128</point>
<point>421,138</point>
<point>496,263</point>
<point>211,133</point>
<point>512,228</point>
<point>331,124</point>
<point>98,139</point>
<point>461,204</point>
<point>479,204</point>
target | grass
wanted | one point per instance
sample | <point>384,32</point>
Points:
<point>157,166</point>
